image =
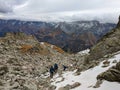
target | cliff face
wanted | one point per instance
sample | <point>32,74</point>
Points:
<point>110,43</point>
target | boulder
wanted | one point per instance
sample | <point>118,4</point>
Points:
<point>52,87</point>
<point>77,73</point>
<point>3,70</point>
<point>106,63</point>
<point>118,66</point>
<point>115,61</point>
<point>15,85</point>
<point>113,74</point>
<point>98,83</point>
<point>67,87</point>
<point>64,88</point>
<point>76,84</point>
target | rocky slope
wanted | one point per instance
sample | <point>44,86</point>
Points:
<point>24,61</point>
<point>110,43</point>
<point>70,36</point>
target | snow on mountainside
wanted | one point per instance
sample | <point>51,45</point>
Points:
<point>82,26</point>
<point>84,51</point>
<point>87,78</point>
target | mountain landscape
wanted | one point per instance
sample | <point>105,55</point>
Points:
<point>59,45</point>
<point>70,36</point>
<point>25,63</point>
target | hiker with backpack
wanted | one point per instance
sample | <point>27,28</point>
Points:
<point>51,71</point>
<point>56,67</point>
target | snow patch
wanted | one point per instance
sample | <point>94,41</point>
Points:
<point>52,46</point>
<point>42,43</point>
<point>84,52</point>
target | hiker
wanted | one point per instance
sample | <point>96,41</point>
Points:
<point>55,67</point>
<point>64,67</point>
<point>51,71</point>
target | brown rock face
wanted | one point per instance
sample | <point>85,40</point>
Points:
<point>89,38</point>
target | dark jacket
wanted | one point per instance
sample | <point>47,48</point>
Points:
<point>55,66</point>
<point>52,70</point>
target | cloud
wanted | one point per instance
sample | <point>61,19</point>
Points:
<point>60,10</point>
<point>7,6</point>
<point>52,6</point>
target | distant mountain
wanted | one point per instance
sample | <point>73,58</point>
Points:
<point>70,36</point>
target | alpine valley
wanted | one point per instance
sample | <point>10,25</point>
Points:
<point>72,37</point>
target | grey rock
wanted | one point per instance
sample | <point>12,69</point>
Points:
<point>98,83</point>
<point>64,88</point>
<point>3,70</point>
<point>76,84</point>
<point>112,74</point>
<point>115,61</point>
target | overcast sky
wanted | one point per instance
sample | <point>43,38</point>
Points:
<point>60,10</point>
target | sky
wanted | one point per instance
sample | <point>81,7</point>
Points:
<point>61,10</point>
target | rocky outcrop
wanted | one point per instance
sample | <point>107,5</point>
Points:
<point>106,63</point>
<point>64,88</point>
<point>110,43</point>
<point>98,83</point>
<point>68,87</point>
<point>74,85</point>
<point>3,70</point>
<point>113,74</point>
